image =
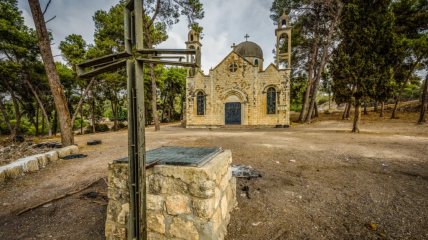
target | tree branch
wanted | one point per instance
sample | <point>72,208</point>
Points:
<point>47,6</point>
<point>50,19</point>
<point>155,14</point>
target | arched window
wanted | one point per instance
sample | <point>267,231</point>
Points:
<point>200,103</point>
<point>271,101</point>
<point>284,23</point>
<point>191,37</point>
<point>256,62</point>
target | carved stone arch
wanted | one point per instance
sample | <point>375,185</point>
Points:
<point>278,90</point>
<point>237,92</point>
<point>200,90</point>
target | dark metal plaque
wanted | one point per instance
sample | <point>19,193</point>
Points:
<point>233,113</point>
<point>181,156</point>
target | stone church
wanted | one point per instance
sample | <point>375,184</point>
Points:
<point>240,90</point>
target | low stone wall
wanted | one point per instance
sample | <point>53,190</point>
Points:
<point>34,163</point>
<point>182,202</point>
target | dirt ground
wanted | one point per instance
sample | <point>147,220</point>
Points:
<point>337,185</point>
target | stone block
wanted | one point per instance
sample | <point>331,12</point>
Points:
<point>224,182</point>
<point>217,197</point>
<point>155,223</point>
<point>159,184</point>
<point>204,190</point>
<point>183,229</point>
<point>224,170</point>
<point>42,160</point>
<point>63,152</point>
<point>113,210</point>
<point>217,219</point>
<point>177,204</point>
<point>203,208</point>
<point>52,156</point>
<point>156,236</point>
<point>154,202</point>
<point>121,217</point>
<point>73,149</point>
<point>118,176</point>
<point>119,195</point>
<point>113,232</point>
<point>224,207</point>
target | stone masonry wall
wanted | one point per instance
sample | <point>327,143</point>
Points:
<point>182,202</point>
<point>248,85</point>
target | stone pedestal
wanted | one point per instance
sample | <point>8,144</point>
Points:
<point>182,202</point>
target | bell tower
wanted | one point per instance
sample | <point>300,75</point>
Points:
<point>283,31</point>
<point>192,43</point>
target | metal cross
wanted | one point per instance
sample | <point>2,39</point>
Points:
<point>233,46</point>
<point>246,37</point>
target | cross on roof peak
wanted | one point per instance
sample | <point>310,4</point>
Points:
<point>234,46</point>
<point>246,37</point>
<point>284,10</point>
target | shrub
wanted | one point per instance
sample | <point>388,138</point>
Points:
<point>77,123</point>
<point>98,128</point>
<point>327,111</point>
<point>122,114</point>
<point>322,101</point>
<point>122,125</point>
<point>23,128</point>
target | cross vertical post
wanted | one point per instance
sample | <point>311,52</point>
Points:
<point>134,217</point>
<point>141,146</point>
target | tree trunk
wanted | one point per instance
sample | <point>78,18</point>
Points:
<point>43,125</point>
<point>329,101</point>
<point>357,118</point>
<point>311,69</point>
<point>6,116</point>
<point>81,121</point>
<point>365,108</point>
<point>45,116</point>
<point>37,120</point>
<point>424,106</point>
<point>346,110</point>
<point>67,137</point>
<point>93,115</point>
<point>323,62</point>
<point>316,114</point>
<point>163,109</point>
<point>382,108</point>
<point>79,105</point>
<point>170,107</point>
<point>114,111</point>
<point>15,129</point>
<point>375,107</point>
<point>55,123</point>
<point>405,83</point>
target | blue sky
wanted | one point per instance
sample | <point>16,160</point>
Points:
<point>226,22</point>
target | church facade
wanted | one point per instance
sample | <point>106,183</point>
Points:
<point>239,90</point>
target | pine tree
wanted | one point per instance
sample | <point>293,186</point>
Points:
<point>362,64</point>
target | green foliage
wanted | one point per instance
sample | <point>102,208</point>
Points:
<point>361,67</point>
<point>322,100</point>
<point>77,124</point>
<point>98,128</point>
<point>23,128</point>
<point>122,114</point>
